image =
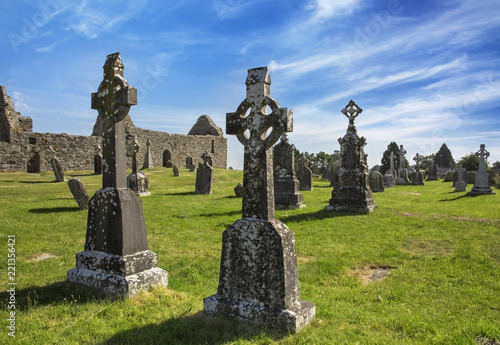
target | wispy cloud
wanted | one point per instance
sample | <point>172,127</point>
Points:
<point>324,9</point>
<point>227,9</point>
<point>50,47</point>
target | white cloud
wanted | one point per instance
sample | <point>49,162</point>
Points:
<point>324,9</point>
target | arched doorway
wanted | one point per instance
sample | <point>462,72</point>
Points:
<point>167,159</point>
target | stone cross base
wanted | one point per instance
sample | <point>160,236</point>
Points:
<point>352,194</point>
<point>258,281</point>
<point>118,275</point>
<point>402,177</point>
<point>481,184</point>
<point>286,194</point>
<point>291,319</point>
<point>418,179</point>
<point>460,186</point>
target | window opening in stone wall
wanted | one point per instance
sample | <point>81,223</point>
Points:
<point>32,141</point>
<point>213,146</point>
<point>167,159</point>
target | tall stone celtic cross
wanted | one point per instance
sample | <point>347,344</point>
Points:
<point>113,100</point>
<point>132,149</point>
<point>482,154</point>
<point>402,153</point>
<point>417,159</point>
<point>391,163</point>
<point>252,132</point>
<point>351,111</point>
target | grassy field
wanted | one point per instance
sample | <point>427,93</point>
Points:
<point>441,250</point>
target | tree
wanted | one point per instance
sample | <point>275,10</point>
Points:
<point>470,162</point>
<point>444,158</point>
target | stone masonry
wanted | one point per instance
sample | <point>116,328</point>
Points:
<point>21,149</point>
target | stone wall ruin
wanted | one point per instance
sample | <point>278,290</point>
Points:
<point>21,149</point>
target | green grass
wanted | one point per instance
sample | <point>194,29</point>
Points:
<point>443,250</point>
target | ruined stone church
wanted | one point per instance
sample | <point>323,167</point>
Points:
<point>21,149</point>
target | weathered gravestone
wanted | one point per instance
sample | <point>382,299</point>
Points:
<point>392,170</point>
<point>56,167</point>
<point>98,161</point>
<point>258,275</point>
<point>238,190</point>
<point>433,171</point>
<point>79,193</point>
<point>376,182</point>
<point>189,162</point>
<point>402,171</point>
<point>116,258</point>
<point>175,171</point>
<point>482,181</point>
<point>137,180</point>
<point>204,175</point>
<point>352,193</point>
<point>148,158</point>
<point>418,177</point>
<point>449,176</point>
<point>460,185</point>
<point>389,179</point>
<point>305,177</point>
<point>456,176</point>
<point>286,184</point>
<point>192,168</point>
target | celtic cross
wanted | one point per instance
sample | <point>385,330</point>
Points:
<point>417,159</point>
<point>402,153</point>
<point>351,111</point>
<point>113,101</point>
<point>482,154</point>
<point>252,132</point>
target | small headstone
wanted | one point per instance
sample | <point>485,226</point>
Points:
<point>98,161</point>
<point>204,175</point>
<point>433,171</point>
<point>376,182</point>
<point>238,190</point>
<point>471,177</point>
<point>192,168</point>
<point>482,181</point>
<point>258,275</point>
<point>389,181</point>
<point>116,257</point>
<point>148,158</point>
<point>56,167</point>
<point>175,171</point>
<point>286,184</point>
<point>460,185</point>
<point>352,192</point>
<point>79,193</point>
<point>449,176</point>
<point>305,177</point>
<point>137,180</point>
<point>456,176</point>
<point>189,162</point>
<point>418,177</point>
<point>402,171</point>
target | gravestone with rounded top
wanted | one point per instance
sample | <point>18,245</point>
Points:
<point>79,193</point>
<point>116,258</point>
<point>56,166</point>
<point>351,192</point>
<point>258,280</point>
<point>376,182</point>
<point>482,181</point>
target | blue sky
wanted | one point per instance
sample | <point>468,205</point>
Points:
<point>424,72</point>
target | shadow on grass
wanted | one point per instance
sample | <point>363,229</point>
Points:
<point>181,193</point>
<point>60,292</point>
<point>88,174</point>
<point>318,215</point>
<point>194,329</point>
<point>37,182</point>
<point>54,210</point>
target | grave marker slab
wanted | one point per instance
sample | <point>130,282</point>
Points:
<point>376,182</point>
<point>137,180</point>
<point>148,158</point>
<point>204,175</point>
<point>175,171</point>
<point>286,184</point>
<point>258,275</point>
<point>460,185</point>
<point>56,167</point>
<point>418,177</point>
<point>79,193</point>
<point>116,258</point>
<point>305,177</point>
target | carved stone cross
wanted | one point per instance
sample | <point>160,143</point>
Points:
<point>132,149</point>
<point>417,159</point>
<point>482,154</point>
<point>391,163</point>
<point>206,156</point>
<point>402,153</point>
<point>113,101</point>
<point>252,132</point>
<point>351,111</point>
